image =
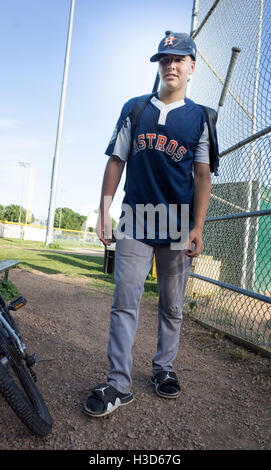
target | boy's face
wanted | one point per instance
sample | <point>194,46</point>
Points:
<point>174,70</point>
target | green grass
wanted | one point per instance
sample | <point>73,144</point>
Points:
<point>17,243</point>
<point>68,243</point>
<point>34,256</point>
<point>56,244</point>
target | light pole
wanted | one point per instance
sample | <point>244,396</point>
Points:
<point>24,165</point>
<point>51,211</point>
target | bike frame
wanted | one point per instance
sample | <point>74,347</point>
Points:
<point>15,337</point>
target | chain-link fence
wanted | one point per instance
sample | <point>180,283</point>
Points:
<point>230,285</point>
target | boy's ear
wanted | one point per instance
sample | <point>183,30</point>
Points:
<point>193,65</point>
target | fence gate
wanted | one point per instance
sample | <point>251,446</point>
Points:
<point>230,285</point>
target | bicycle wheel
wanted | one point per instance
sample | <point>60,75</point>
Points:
<point>24,397</point>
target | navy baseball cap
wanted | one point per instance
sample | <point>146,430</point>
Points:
<point>177,44</point>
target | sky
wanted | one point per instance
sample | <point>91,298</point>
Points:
<point>112,42</point>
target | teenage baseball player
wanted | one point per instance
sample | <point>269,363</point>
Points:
<point>168,165</point>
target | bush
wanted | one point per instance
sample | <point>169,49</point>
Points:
<point>8,290</point>
<point>240,354</point>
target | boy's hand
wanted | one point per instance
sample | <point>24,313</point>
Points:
<point>195,236</point>
<point>104,229</point>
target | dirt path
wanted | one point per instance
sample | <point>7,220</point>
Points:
<point>224,404</point>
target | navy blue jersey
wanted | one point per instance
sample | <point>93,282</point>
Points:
<point>167,142</point>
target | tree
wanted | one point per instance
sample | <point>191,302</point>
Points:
<point>68,219</point>
<point>2,212</point>
<point>12,213</point>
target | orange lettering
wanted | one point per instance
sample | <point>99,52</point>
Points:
<point>141,142</point>
<point>173,144</point>
<point>150,138</point>
<point>161,142</point>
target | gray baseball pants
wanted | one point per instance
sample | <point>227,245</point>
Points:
<point>133,261</point>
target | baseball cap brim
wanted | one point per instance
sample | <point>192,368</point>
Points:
<point>158,56</point>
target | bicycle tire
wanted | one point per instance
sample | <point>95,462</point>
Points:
<point>30,407</point>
